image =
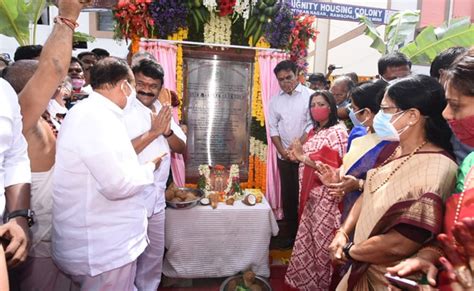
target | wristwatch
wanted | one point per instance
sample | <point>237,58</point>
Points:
<point>168,135</point>
<point>27,213</point>
<point>346,248</point>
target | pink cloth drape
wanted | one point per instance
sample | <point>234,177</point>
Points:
<point>267,62</point>
<point>165,54</point>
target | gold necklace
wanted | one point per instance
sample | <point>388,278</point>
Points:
<point>461,198</point>
<point>394,170</point>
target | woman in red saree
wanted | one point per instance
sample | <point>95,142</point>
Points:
<point>458,228</point>
<point>310,266</point>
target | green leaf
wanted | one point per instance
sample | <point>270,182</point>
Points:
<point>371,31</point>
<point>399,27</point>
<point>430,42</point>
<point>14,21</point>
<point>81,36</point>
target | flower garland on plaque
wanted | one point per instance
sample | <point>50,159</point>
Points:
<point>263,23</point>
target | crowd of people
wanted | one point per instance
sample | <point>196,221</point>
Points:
<point>93,217</point>
<point>368,173</point>
<point>376,177</point>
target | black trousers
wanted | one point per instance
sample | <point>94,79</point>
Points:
<point>289,193</point>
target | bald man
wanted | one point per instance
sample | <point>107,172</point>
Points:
<point>36,82</point>
<point>340,89</point>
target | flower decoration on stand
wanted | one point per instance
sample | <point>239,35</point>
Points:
<point>218,29</point>
<point>299,39</point>
<point>278,30</point>
<point>133,18</point>
<point>169,16</point>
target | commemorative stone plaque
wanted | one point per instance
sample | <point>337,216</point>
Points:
<point>217,112</point>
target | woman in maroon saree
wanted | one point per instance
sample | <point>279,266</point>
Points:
<point>310,266</point>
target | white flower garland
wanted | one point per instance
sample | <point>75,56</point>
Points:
<point>205,171</point>
<point>258,149</point>
<point>218,30</point>
<point>233,172</point>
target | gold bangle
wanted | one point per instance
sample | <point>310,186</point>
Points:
<point>343,232</point>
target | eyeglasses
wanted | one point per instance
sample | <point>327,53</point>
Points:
<point>387,109</point>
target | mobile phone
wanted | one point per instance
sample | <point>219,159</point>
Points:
<point>402,283</point>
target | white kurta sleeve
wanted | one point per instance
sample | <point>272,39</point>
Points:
<point>178,131</point>
<point>13,144</point>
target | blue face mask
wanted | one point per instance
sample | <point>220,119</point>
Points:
<point>354,119</point>
<point>384,127</point>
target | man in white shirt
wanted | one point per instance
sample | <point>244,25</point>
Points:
<point>15,178</point>
<point>152,131</point>
<point>289,119</point>
<point>35,82</point>
<point>99,221</point>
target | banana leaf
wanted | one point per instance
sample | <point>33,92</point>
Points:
<point>430,42</point>
<point>15,18</point>
<point>399,28</point>
<point>371,31</point>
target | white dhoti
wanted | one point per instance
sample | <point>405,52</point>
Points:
<point>150,262</point>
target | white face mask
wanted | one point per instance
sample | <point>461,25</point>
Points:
<point>384,128</point>
<point>132,95</point>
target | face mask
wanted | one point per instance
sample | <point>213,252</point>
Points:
<point>464,129</point>
<point>384,127</point>
<point>77,84</point>
<point>320,113</point>
<point>132,95</point>
<point>354,119</point>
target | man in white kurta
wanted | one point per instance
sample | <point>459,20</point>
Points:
<point>152,131</point>
<point>99,220</point>
<point>15,175</point>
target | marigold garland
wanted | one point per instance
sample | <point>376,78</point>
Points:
<point>135,46</point>
<point>182,34</point>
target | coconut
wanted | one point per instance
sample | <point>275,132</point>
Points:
<point>169,194</point>
<point>250,200</point>
<point>214,200</point>
<point>249,278</point>
<point>190,196</point>
<point>230,201</point>
<point>205,201</point>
